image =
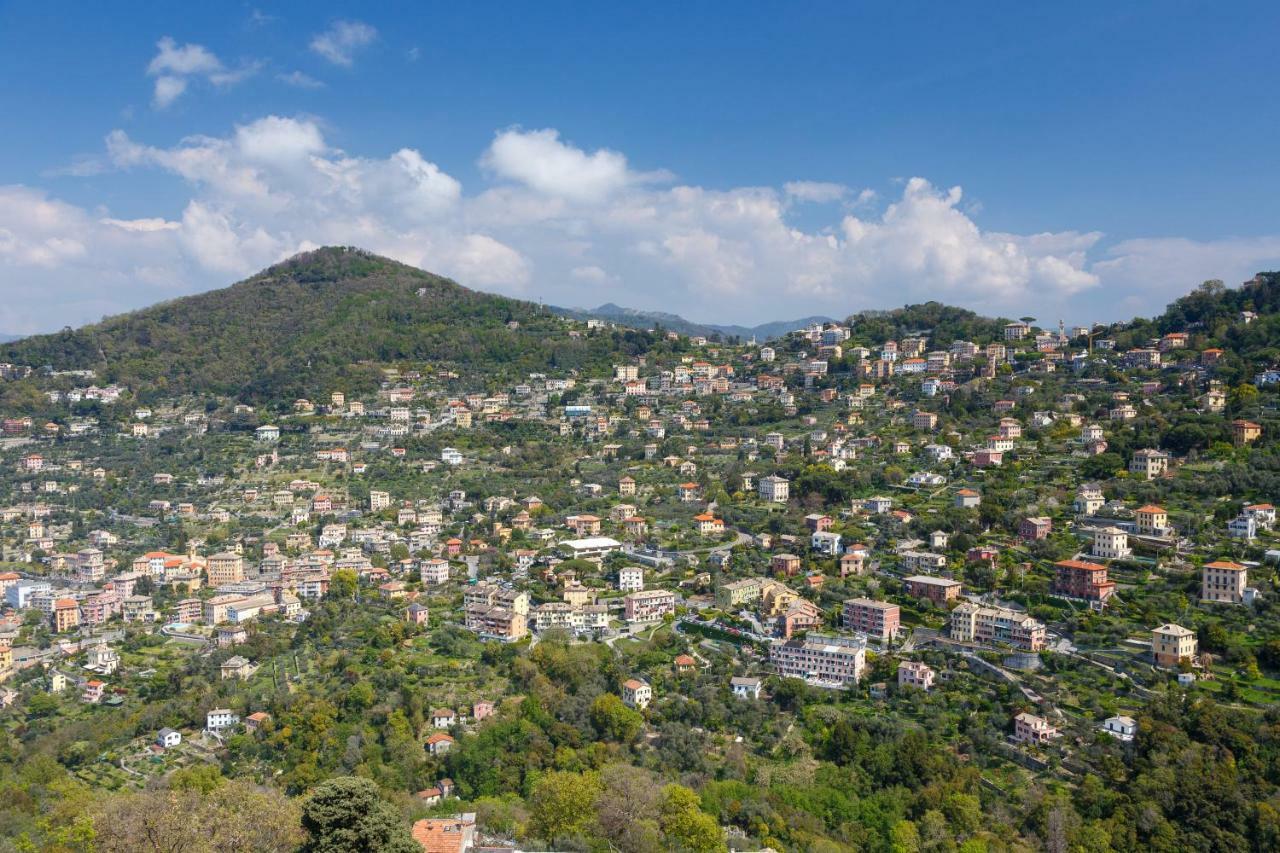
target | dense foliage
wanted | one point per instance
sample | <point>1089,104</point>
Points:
<point>319,319</point>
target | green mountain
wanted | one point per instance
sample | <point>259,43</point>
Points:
<point>941,323</point>
<point>316,322</point>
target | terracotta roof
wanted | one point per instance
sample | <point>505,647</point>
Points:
<point>440,835</point>
<point>1080,564</point>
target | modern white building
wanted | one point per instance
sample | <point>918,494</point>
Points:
<point>220,719</point>
<point>1120,727</point>
<point>745,687</point>
<point>631,578</point>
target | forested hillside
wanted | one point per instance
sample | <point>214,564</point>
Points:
<point>943,323</point>
<point>1211,315</point>
<point>318,319</point>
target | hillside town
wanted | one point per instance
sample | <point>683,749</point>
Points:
<point>1039,516</point>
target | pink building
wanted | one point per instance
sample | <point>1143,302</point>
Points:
<point>878,619</point>
<point>648,605</point>
<point>915,674</point>
<point>1032,529</point>
<point>1028,728</point>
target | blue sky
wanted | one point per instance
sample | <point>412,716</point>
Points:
<point>733,163</point>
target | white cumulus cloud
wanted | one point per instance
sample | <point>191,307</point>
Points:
<point>340,43</point>
<point>299,80</point>
<point>571,226</point>
<point>815,191</point>
<point>539,160</point>
<point>175,66</point>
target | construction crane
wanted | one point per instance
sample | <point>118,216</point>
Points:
<point>1093,333</point>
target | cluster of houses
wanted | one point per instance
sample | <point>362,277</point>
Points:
<point>647,535</point>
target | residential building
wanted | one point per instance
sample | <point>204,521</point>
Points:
<point>1028,728</point>
<point>1036,528</point>
<point>1111,543</point>
<point>1081,579</point>
<point>636,694</point>
<point>93,691</point>
<point>1245,432</point>
<point>774,489</point>
<point>1089,499</point>
<point>709,525</point>
<point>1171,644</point>
<point>224,568</point>
<point>220,719</point>
<point>785,564</point>
<point>734,594</point>
<point>915,674</point>
<point>438,743</point>
<point>66,614</point>
<point>237,667</point>
<point>455,834</point>
<point>250,607</point>
<point>1243,527</point>
<point>497,623</point>
<point>825,542</point>
<point>417,614</point>
<point>1264,515</point>
<point>877,619</point>
<point>937,590</point>
<point>854,560</point>
<point>1152,520</point>
<point>216,609</point>
<point>821,660</point>
<point>744,687</point>
<point>1120,727</point>
<point>1149,464</point>
<point>648,605</point>
<point>631,578</point>
<point>433,572</point>
<point>974,623</point>
<point>913,561</point>
<point>589,548</point>
<point>1224,581</point>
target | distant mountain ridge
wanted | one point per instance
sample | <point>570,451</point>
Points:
<point>674,322</point>
<point>332,318</point>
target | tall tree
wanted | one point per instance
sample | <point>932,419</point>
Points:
<point>348,815</point>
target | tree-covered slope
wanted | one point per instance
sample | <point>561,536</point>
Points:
<point>640,319</point>
<point>311,323</point>
<point>941,323</point>
<point>1213,316</point>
